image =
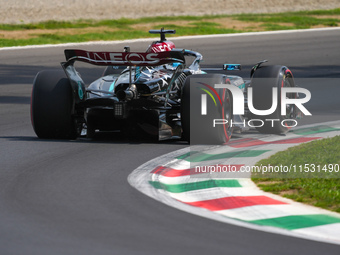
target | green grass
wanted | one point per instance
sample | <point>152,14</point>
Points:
<point>103,36</point>
<point>318,189</point>
<point>300,20</point>
<point>118,23</point>
<point>122,29</point>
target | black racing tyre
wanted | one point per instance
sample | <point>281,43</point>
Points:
<point>198,128</point>
<point>263,80</point>
<point>51,106</point>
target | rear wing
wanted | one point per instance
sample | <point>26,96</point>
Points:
<point>125,58</point>
<point>116,59</point>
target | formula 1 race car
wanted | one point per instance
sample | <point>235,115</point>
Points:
<point>156,94</point>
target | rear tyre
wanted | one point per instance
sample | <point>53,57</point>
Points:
<point>198,128</point>
<point>263,80</point>
<point>51,106</point>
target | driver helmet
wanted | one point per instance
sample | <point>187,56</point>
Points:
<point>158,46</point>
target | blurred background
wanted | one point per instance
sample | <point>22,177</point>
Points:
<point>23,11</point>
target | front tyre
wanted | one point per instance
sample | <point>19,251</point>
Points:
<point>263,81</point>
<point>51,106</point>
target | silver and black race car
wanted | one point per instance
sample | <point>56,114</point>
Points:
<point>157,94</point>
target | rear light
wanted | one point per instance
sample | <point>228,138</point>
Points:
<point>119,110</point>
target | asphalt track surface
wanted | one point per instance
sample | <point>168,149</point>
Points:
<point>72,197</point>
